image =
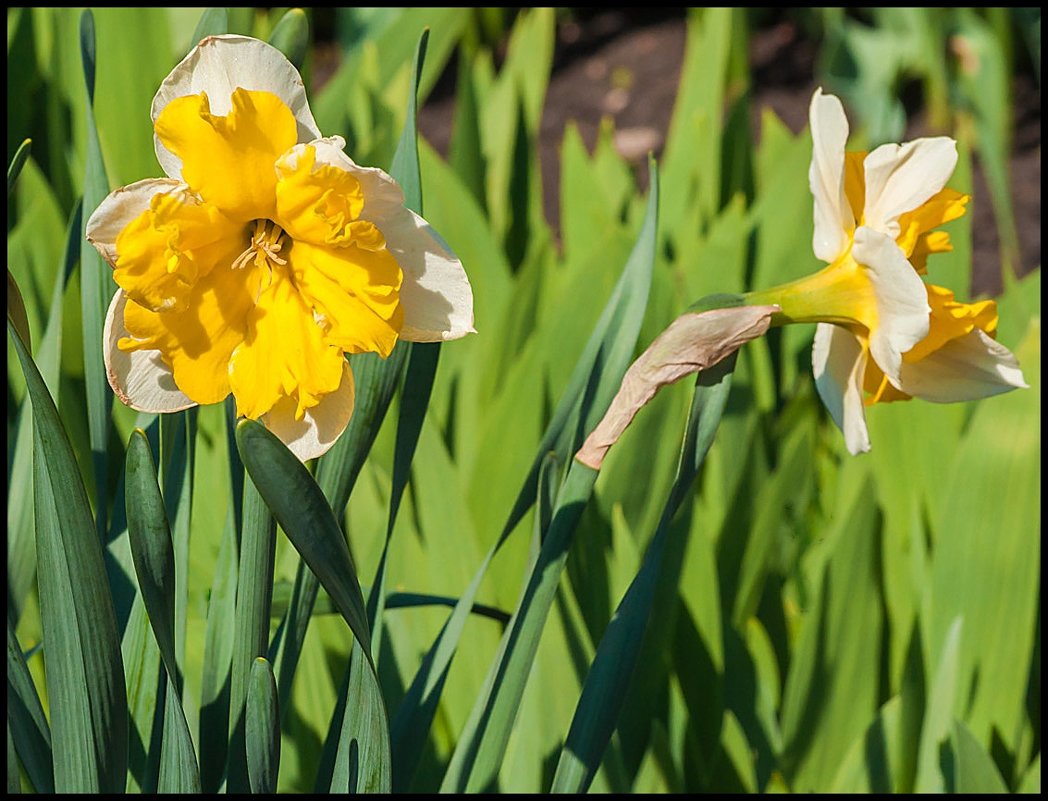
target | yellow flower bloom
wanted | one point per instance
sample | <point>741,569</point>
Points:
<point>881,329</point>
<point>264,257</point>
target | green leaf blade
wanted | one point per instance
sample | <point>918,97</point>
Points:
<point>17,162</point>
<point>96,285</point>
<point>251,623</point>
<point>213,22</point>
<point>300,507</point>
<point>291,36</point>
<point>302,511</point>
<point>263,728</point>
<point>479,754</point>
<point>154,560</point>
<point>85,674</point>
<point>604,691</point>
<point>150,539</point>
<point>26,725</point>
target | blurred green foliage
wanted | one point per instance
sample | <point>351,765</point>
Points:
<point>821,623</point>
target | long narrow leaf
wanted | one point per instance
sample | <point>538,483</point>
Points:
<point>263,728</point>
<point>356,756</point>
<point>16,308</point>
<point>26,725</point>
<point>251,626</point>
<point>592,384</point>
<point>421,358</point>
<point>154,560</point>
<point>21,550</point>
<point>475,763</point>
<point>177,452</point>
<point>15,304</point>
<point>617,655</point>
<point>938,715</point>
<point>146,682</point>
<point>418,384</point>
<point>478,756</point>
<point>96,287</point>
<point>282,592</point>
<point>218,653</point>
<point>17,162</point>
<point>303,512</point>
<point>375,381</point>
<point>151,549</point>
<point>291,36</point>
<point>213,22</point>
<point>178,765</point>
<point>85,674</point>
<point>14,771</point>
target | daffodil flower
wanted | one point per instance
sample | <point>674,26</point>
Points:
<point>883,334</point>
<point>264,257</point>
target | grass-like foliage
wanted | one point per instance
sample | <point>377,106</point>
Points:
<point>446,600</point>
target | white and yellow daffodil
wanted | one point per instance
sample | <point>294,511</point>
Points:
<point>264,257</point>
<point>883,334</point>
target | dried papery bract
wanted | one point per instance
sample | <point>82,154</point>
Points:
<point>694,341</point>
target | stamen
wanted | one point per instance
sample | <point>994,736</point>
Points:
<point>266,242</point>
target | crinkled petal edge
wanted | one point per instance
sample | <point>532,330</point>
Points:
<point>119,208</point>
<point>220,64</point>
<point>320,426</point>
<point>436,294</point>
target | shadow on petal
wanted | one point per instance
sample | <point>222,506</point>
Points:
<point>320,426</point>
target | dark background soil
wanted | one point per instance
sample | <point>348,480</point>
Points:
<point>648,45</point>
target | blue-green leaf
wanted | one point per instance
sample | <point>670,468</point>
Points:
<point>291,36</point>
<point>213,22</point>
<point>218,650</point>
<point>21,549</point>
<point>26,725</point>
<point>251,621</point>
<point>96,287</point>
<point>153,555</point>
<point>85,675</point>
<point>302,511</point>
<point>151,550</point>
<point>478,756</point>
<point>263,728</point>
<point>617,655</point>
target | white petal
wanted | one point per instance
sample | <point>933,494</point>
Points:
<point>838,362</point>
<point>120,208</point>
<point>833,215</point>
<point>320,426</point>
<point>140,378</point>
<point>966,368</point>
<point>221,64</point>
<point>899,178</point>
<point>436,294</point>
<point>902,301</point>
